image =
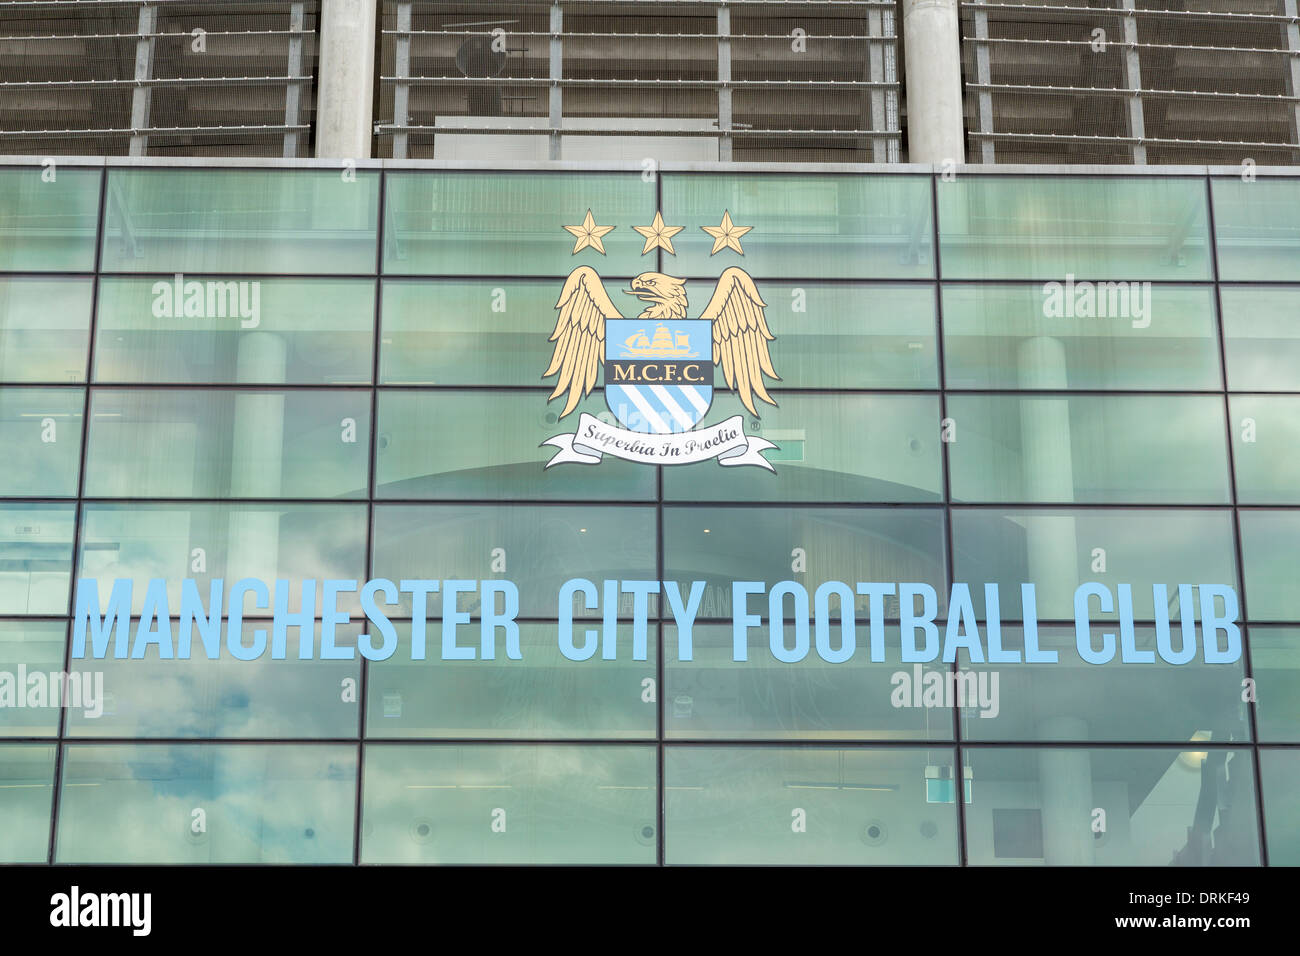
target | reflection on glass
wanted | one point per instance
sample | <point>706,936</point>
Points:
<point>1266,448</point>
<point>1275,665</point>
<point>265,803</point>
<point>245,444</point>
<point>1012,336</point>
<point>1280,772</point>
<point>1068,806</point>
<point>40,432</point>
<point>1261,340</point>
<point>265,332</point>
<point>1089,448</point>
<point>230,542</point>
<point>542,695</point>
<point>37,647</point>
<point>1257,225</point>
<point>26,783</point>
<point>506,804</point>
<point>35,557</point>
<point>44,328</point>
<point>48,226</point>
<point>809,805</point>
<point>820,226</point>
<point>481,444</point>
<point>1268,553</point>
<point>717,698</point>
<point>1054,228</point>
<point>240,221</point>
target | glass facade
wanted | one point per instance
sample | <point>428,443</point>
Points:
<point>223,373</point>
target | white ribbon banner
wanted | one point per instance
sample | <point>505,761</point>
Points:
<point>727,442</point>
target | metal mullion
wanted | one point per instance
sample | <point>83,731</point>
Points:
<point>555,69</point>
<point>876,73</point>
<point>1133,80</point>
<point>142,95</point>
<point>402,90</point>
<point>984,75</point>
<point>293,91</point>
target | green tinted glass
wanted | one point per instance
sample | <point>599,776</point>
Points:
<point>820,226</point>
<point>1115,701</point>
<point>715,697</point>
<point>1265,432</point>
<point>259,331</point>
<point>1058,550</point>
<point>244,444</point>
<point>537,547</point>
<point>1275,665</point>
<point>38,647</point>
<point>264,803</point>
<point>44,329</point>
<point>504,804</point>
<point>48,225</point>
<point>1039,806</point>
<point>40,432</point>
<point>1023,336</point>
<point>1261,339</point>
<point>35,557</point>
<point>542,695</point>
<point>499,223</point>
<point>829,448</point>
<point>1257,225</point>
<point>807,805</point>
<point>484,444</point>
<point>1054,227</point>
<point>1271,565</point>
<point>240,221</point>
<point>1280,772</point>
<point>1089,448</point>
<point>26,784</point>
<point>221,541</point>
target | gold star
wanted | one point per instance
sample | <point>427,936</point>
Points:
<point>726,235</point>
<point>589,234</point>
<point>657,235</point>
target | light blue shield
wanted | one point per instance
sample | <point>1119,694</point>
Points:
<point>658,373</point>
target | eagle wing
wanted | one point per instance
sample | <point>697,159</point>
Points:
<point>579,335</point>
<point>740,336</point>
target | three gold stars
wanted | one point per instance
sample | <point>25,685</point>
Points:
<point>589,234</point>
<point>659,236</point>
<point>727,235</point>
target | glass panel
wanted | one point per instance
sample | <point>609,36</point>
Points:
<point>1266,453</point>
<point>1115,701</point>
<point>1268,552</point>
<point>1014,336</point>
<point>829,448</point>
<point>48,226</point>
<point>1275,665</point>
<point>262,803</point>
<point>26,782</point>
<point>482,444</point>
<point>470,223</point>
<point>1089,448</point>
<point>40,432</point>
<point>543,695</point>
<point>226,697</point>
<point>35,557</point>
<point>540,548</point>
<point>502,804</point>
<point>1280,773</point>
<point>1162,807</point>
<point>44,329</point>
<point>717,698</point>
<point>236,444</point>
<point>1257,225</point>
<point>260,331</point>
<point>1261,339</point>
<point>1054,227</point>
<point>855,227</point>
<point>741,805</point>
<point>37,647</point>
<point>240,221</point>
<point>227,542</point>
<point>1057,550</point>
<point>725,545</point>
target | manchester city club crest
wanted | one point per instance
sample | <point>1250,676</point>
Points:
<point>659,366</point>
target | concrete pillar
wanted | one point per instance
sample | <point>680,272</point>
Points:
<point>1065,795</point>
<point>256,459</point>
<point>1047,467</point>
<point>932,47</point>
<point>345,86</point>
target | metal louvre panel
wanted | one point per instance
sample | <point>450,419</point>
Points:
<point>1131,81</point>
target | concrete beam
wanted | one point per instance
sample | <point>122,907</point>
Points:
<point>345,79</point>
<point>932,48</point>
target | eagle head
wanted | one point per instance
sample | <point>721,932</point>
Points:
<point>665,295</point>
